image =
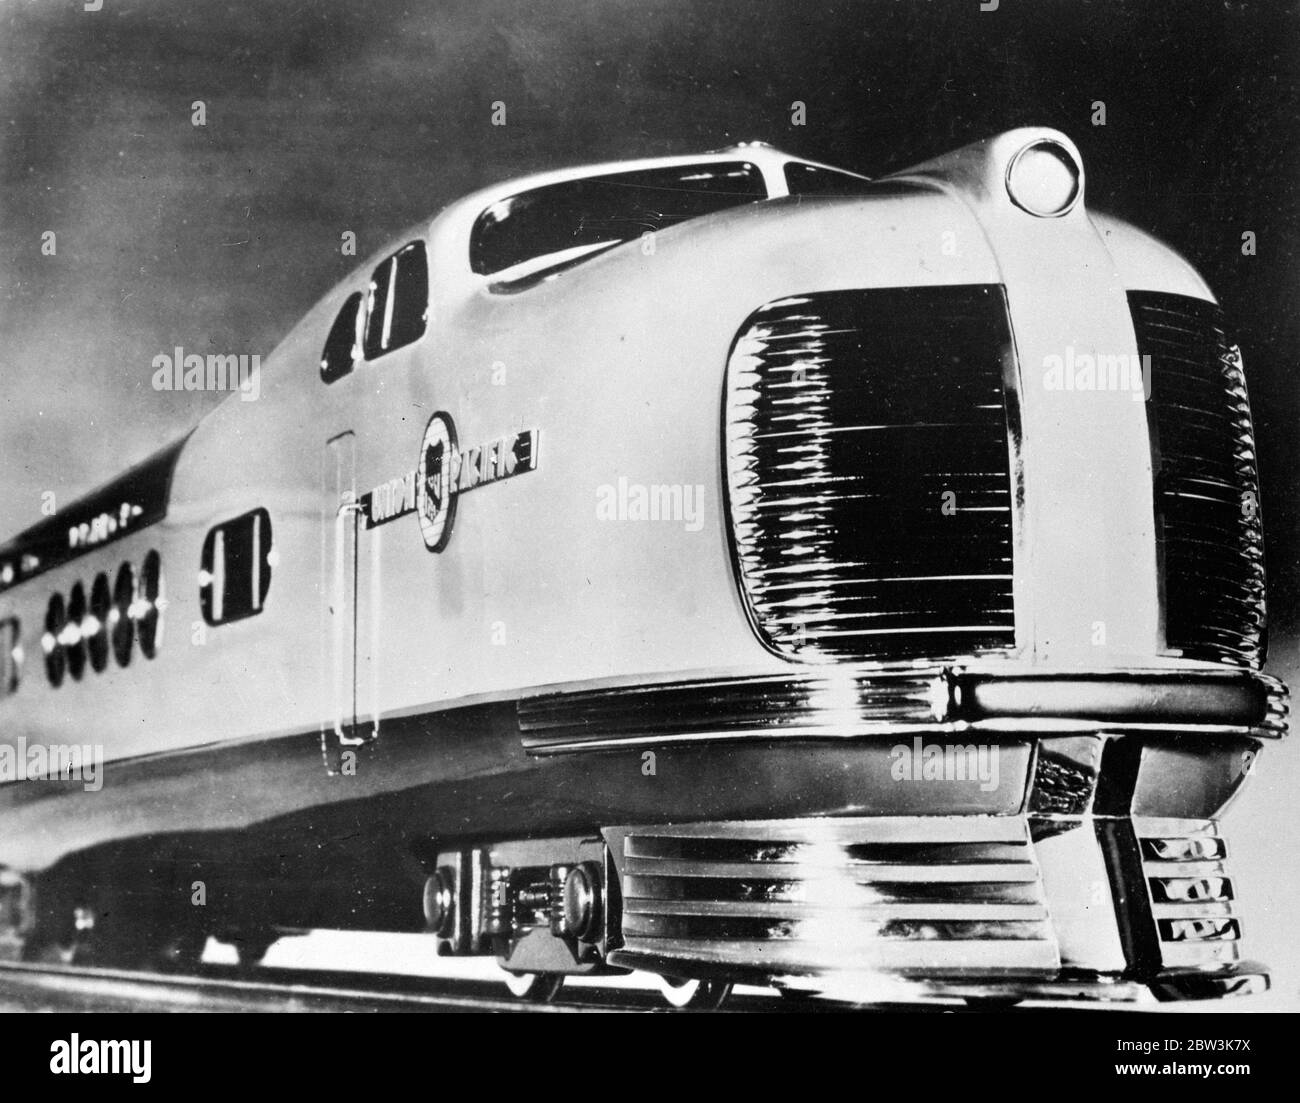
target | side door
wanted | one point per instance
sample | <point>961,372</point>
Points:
<point>349,582</point>
<point>358,361</point>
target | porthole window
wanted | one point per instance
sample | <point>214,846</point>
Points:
<point>343,345</point>
<point>148,613</point>
<point>122,626</point>
<point>95,627</point>
<point>397,304</point>
<point>74,647</point>
<point>55,622</point>
<point>236,568</point>
<point>11,655</point>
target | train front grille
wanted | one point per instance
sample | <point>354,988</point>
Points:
<point>926,895</point>
<point>1207,487</point>
<point>869,474</point>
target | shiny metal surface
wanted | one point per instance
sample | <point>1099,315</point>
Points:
<point>1011,902</point>
<point>1193,904</point>
<point>869,472</point>
<point>910,895</point>
<point>851,702</point>
<point>1211,531</point>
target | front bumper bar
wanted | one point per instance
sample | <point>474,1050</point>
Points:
<point>854,702</point>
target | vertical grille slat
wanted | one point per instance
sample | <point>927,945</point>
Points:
<point>1207,486</point>
<point>850,415</point>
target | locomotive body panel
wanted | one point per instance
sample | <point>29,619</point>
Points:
<point>618,365</point>
<point>650,358</point>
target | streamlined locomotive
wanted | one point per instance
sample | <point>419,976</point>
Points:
<point>725,566</point>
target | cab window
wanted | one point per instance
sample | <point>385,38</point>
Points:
<point>397,302</point>
<point>558,225</point>
<point>11,653</point>
<point>343,345</point>
<point>804,179</point>
<point>236,568</point>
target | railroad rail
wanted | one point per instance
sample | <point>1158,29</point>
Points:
<point>33,987</point>
<point>43,987</point>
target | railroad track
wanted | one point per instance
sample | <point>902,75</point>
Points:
<point>218,988</point>
<point>30,987</point>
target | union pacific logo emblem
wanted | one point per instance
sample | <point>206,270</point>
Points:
<point>435,478</point>
<point>445,472</point>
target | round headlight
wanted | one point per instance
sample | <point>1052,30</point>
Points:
<point>582,902</point>
<point>440,902</point>
<point>1043,179</point>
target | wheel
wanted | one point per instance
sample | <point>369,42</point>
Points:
<point>252,946</point>
<point>59,935</point>
<point>992,1003</point>
<point>178,951</point>
<point>49,952</point>
<point>67,937</point>
<point>89,917</point>
<point>697,995</point>
<point>535,987</point>
<point>111,937</point>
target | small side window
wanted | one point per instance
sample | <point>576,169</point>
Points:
<point>397,306</point>
<point>343,345</point>
<point>11,655</point>
<point>148,625</point>
<point>75,650</point>
<point>236,572</point>
<point>122,632</point>
<point>55,622</point>
<point>96,626</point>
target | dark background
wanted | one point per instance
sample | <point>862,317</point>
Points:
<point>367,116</point>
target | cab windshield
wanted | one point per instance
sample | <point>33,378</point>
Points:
<point>804,179</point>
<point>540,231</point>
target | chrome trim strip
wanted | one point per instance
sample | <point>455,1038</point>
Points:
<point>850,703</point>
